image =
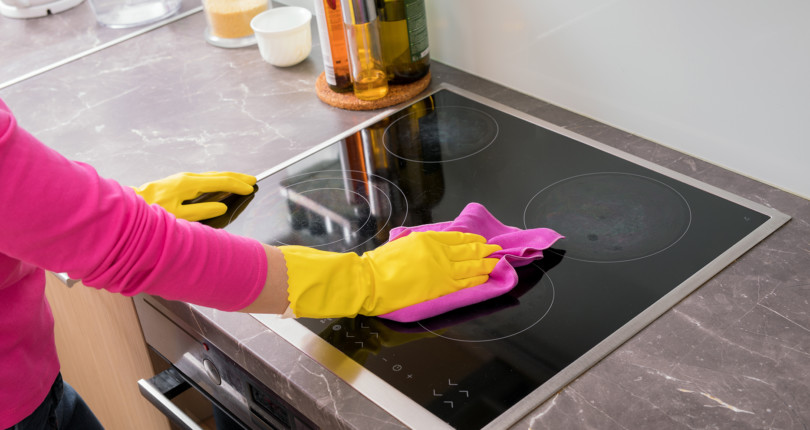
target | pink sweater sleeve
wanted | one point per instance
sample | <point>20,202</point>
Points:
<point>62,216</point>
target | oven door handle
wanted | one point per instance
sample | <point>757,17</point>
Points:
<point>157,398</point>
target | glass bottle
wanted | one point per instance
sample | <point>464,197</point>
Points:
<point>365,56</point>
<point>404,38</point>
<point>333,45</point>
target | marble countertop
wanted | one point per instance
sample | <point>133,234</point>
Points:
<point>33,45</point>
<point>734,354</point>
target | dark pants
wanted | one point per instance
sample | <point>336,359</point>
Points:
<point>63,409</point>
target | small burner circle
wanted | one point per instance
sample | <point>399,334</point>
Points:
<point>440,135</point>
<point>610,217</point>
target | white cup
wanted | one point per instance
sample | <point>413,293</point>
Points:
<point>283,34</point>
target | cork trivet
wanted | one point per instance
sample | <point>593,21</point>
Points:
<point>396,94</point>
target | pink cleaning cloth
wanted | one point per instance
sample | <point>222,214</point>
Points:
<point>520,247</point>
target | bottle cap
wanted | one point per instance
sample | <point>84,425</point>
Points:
<point>358,11</point>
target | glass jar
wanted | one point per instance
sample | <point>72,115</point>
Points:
<point>229,21</point>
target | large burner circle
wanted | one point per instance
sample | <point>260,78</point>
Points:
<point>610,216</point>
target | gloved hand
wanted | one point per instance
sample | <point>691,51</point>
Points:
<point>173,191</point>
<point>418,267</point>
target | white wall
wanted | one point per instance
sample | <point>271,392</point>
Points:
<point>727,81</point>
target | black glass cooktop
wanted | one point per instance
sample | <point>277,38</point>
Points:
<point>633,235</point>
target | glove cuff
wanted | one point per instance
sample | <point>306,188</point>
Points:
<point>322,284</point>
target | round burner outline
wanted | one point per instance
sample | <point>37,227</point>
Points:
<point>278,190</point>
<point>545,278</point>
<point>682,203</point>
<point>494,131</point>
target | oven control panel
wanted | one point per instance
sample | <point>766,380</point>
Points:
<point>267,410</point>
<point>270,408</point>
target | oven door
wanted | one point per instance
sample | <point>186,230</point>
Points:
<point>171,383</point>
<point>239,400</point>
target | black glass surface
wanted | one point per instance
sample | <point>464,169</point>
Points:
<point>631,236</point>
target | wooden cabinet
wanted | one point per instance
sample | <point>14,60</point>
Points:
<point>103,354</point>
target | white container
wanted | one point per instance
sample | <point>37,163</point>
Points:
<point>284,35</point>
<point>130,13</point>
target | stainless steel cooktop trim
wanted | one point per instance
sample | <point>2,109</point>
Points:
<point>331,141</point>
<point>415,416</point>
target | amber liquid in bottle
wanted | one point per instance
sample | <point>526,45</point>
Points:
<point>368,75</point>
<point>403,34</point>
<point>333,45</point>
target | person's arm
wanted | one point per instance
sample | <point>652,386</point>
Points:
<point>62,216</point>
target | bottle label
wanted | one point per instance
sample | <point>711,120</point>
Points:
<point>323,35</point>
<point>417,29</point>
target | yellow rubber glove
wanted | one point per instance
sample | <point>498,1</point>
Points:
<point>410,270</point>
<point>173,191</point>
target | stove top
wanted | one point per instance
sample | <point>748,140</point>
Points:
<point>638,238</point>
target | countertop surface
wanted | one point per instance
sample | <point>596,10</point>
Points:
<point>140,105</point>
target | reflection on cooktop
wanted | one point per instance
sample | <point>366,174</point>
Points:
<point>332,206</point>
